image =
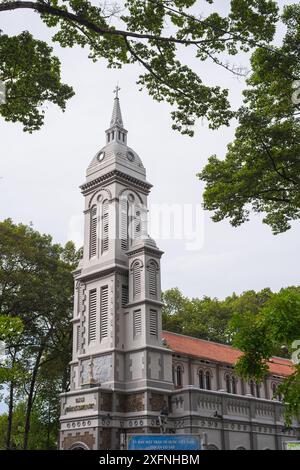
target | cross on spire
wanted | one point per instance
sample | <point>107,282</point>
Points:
<point>116,90</point>
<point>116,129</point>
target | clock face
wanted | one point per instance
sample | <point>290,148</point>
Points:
<point>100,156</point>
<point>130,156</point>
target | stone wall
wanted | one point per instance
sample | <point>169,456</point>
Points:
<point>133,402</point>
<point>69,440</point>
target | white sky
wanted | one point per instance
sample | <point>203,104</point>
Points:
<point>40,174</point>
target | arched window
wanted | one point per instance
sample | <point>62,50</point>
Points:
<point>137,226</point>
<point>252,387</point>
<point>105,226</point>
<point>136,271</point>
<point>179,376</point>
<point>93,231</point>
<point>79,446</point>
<point>212,447</point>
<point>152,269</point>
<point>228,383</point>
<point>130,220</point>
<point>153,323</point>
<point>92,314</point>
<point>233,383</point>
<point>124,223</point>
<point>201,378</point>
<point>207,380</point>
<point>103,312</point>
<point>276,395</point>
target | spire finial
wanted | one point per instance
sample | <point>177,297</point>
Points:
<point>116,90</point>
<point>116,118</point>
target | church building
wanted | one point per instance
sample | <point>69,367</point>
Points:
<point>127,375</point>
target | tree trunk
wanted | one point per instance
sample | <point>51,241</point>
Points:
<point>10,409</point>
<point>31,398</point>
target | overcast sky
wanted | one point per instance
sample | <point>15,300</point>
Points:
<point>40,174</point>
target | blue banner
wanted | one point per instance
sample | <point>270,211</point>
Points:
<point>164,442</point>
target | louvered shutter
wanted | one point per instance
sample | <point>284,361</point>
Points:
<point>136,279</point>
<point>103,312</point>
<point>153,323</point>
<point>105,226</point>
<point>93,232</point>
<point>152,280</point>
<point>124,223</point>
<point>92,314</point>
<point>124,295</point>
<point>137,322</point>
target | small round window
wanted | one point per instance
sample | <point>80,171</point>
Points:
<point>130,156</point>
<point>100,156</point>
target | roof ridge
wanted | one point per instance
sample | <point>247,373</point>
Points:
<point>285,361</point>
<point>201,339</point>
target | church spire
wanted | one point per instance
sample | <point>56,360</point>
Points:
<point>116,131</point>
<point>116,117</point>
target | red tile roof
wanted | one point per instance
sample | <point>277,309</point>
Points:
<point>217,352</point>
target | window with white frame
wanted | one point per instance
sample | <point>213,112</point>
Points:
<point>92,314</point>
<point>137,323</point>
<point>93,231</point>
<point>105,227</point>
<point>153,323</point>
<point>152,270</point>
<point>103,312</point>
<point>137,274</point>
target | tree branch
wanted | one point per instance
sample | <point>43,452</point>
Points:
<point>44,8</point>
<point>282,175</point>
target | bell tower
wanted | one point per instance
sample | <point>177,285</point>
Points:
<point>118,355</point>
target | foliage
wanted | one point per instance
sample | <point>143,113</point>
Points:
<point>261,336</point>
<point>153,34</point>
<point>257,323</point>
<point>31,75</point>
<point>43,430</point>
<point>208,318</point>
<point>32,273</point>
<point>261,168</point>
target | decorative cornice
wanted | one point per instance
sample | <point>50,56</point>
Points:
<point>145,300</point>
<point>98,273</point>
<point>145,248</point>
<point>143,186</point>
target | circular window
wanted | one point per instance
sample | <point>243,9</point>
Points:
<point>131,197</point>
<point>100,156</point>
<point>130,156</point>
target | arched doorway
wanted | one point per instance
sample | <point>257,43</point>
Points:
<point>79,446</point>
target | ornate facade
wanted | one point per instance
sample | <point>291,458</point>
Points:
<point>126,372</point>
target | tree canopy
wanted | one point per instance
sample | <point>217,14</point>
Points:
<point>261,336</point>
<point>262,165</point>
<point>260,171</point>
<point>36,303</point>
<point>261,324</point>
<point>209,318</point>
<point>151,33</point>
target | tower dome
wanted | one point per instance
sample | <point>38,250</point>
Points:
<point>116,155</point>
